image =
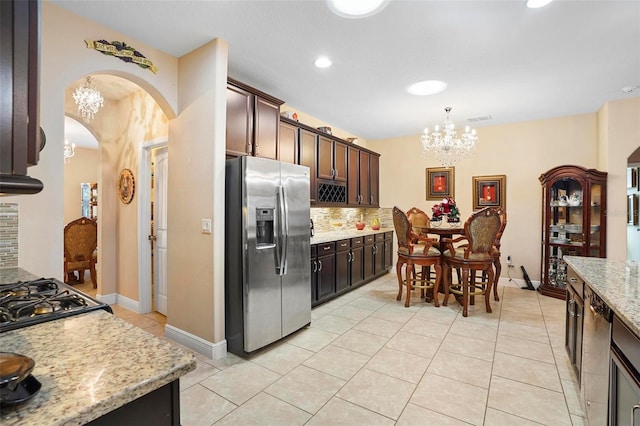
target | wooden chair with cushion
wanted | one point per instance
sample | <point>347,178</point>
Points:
<point>415,250</point>
<point>496,255</point>
<point>80,242</point>
<point>481,230</point>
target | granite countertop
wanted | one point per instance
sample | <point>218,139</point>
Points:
<point>325,237</point>
<point>88,365</point>
<point>616,282</point>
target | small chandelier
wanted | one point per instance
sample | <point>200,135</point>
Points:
<point>88,99</point>
<point>445,144</point>
<point>69,150</point>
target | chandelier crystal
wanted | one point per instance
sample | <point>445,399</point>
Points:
<point>445,145</point>
<point>88,99</point>
<point>69,150</point>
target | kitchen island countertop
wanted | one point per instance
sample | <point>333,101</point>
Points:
<point>616,282</point>
<point>88,365</point>
<point>325,237</point>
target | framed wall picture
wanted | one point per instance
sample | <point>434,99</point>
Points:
<point>632,177</point>
<point>440,183</point>
<point>632,210</point>
<point>489,191</point>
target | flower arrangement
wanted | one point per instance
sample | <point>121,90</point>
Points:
<point>447,207</point>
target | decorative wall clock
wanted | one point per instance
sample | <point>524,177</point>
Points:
<point>126,186</point>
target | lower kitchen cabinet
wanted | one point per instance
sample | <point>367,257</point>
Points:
<point>388,250</point>
<point>340,266</point>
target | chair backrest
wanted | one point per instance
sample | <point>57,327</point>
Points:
<point>80,239</point>
<point>418,218</point>
<point>503,224</point>
<point>402,227</point>
<point>482,228</point>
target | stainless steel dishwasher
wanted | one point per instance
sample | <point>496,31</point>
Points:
<point>595,357</point>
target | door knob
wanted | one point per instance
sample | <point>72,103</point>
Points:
<point>152,238</point>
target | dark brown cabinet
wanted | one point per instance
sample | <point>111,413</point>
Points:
<point>253,121</point>
<point>388,250</point>
<point>21,138</point>
<point>307,157</point>
<point>343,265</point>
<point>288,143</point>
<point>325,270</point>
<point>369,256</point>
<point>374,179</point>
<point>574,203</point>
<point>332,159</point>
<point>574,321</point>
<point>362,183</point>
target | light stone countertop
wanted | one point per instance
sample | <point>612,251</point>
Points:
<point>616,282</point>
<point>88,365</point>
<point>325,237</point>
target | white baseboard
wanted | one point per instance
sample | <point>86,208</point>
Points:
<point>198,344</point>
<point>516,282</point>
<point>130,304</point>
<point>109,299</point>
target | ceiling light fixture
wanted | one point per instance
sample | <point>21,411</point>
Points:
<point>356,8</point>
<point>427,87</point>
<point>323,62</point>
<point>534,4</point>
<point>69,150</point>
<point>88,99</point>
<point>445,144</point>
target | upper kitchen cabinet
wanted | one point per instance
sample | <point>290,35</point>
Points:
<point>21,138</point>
<point>288,143</point>
<point>574,204</point>
<point>332,159</point>
<point>253,121</point>
<point>362,177</point>
<point>307,152</point>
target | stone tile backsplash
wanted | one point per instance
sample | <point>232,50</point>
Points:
<point>8,235</point>
<point>326,219</point>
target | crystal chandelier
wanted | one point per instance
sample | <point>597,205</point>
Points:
<point>445,144</point>
<point>88,99</point>
<point>69,150</point>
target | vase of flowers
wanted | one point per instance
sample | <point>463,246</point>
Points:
<point>446,208</point>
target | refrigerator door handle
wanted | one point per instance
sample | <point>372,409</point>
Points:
<point>283,230</point>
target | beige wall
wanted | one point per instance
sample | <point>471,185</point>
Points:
<point>82,167</point>
<point>196,186</point>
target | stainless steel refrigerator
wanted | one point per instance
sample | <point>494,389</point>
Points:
<point>267,252</point>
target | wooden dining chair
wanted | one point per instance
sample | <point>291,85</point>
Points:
<point>481,230</point>
<point>80,242</point>
<point>497,265</point>
<point>415,250</point>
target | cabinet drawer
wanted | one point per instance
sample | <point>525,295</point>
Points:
<point>369,239</point>
<point>357,242</point>
<point>326,248</point>
<point>379,237</point>
<point>388,235</point>
<point>343,245</point>
<point>576,282</point>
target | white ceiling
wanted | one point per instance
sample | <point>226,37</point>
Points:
<point>499,58</point>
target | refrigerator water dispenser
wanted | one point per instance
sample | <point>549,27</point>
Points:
<point>264,227</point>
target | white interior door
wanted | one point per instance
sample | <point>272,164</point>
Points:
<point>160,225</point>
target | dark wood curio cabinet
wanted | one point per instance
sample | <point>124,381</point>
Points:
<point>574,202</point>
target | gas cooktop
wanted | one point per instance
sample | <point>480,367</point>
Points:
<point>26,303</point>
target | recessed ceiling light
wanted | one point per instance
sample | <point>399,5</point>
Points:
<point>427,87</point>
<point>534,4</point>
<point>323,62</point>
<point>356,8</point>
<point>629,89</point>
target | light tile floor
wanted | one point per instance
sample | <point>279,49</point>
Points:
<point>368,360</point>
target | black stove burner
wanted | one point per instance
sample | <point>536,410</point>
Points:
<point>32,302</point>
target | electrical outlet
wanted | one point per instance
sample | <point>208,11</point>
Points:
<point>509,262</point>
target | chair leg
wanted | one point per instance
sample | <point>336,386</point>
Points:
<point>498,267</point>
<point>436,284</point>
<point>399,273</point>
<point>465,291</point>
<point>410,273</point>
<point>487,294</point>
<point>446,271</point>
<point>81,276</point>
<point>92,272</point>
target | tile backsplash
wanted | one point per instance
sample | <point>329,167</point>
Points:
<point>8,235</point>
<point>329,219</point>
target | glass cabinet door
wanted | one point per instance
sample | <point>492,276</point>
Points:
<point>596,243</point>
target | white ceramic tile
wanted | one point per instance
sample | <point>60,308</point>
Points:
<point>428,328</point>
<point>378,326</point>
<point>469,346</point>
<point>312,339</point>
<point>200,406</point>
<point>240,382</point>
<point>352,312</point>
<point>282,358</point>
<point>402,365</point>
<point>415,344</point>
<point>415,415</point>
<point>525,349</point>
<point>499,418</point>
<point>528,371</point>
<point>359,341</point>
<point>264,409</point>
<point>339,412</point>
<point>334,324</point>
<point>463,368</point>
<point>337,361</point>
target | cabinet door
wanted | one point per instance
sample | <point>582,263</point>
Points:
<point>239,121</point>
<point>374,184</point>
<point>342,270</point>
<point>326,276</point>
<point>307,157</point>
<point>325,158</point>
<point>357,268</point>
<point>340,162</point>
<point>288,143</point>
<point>266,125</point>
<point>314,279</point>
<point>369,261</point>
<point>365,198</point>
<point>388,254</point>
<point>353,176</point>
<point>379,258</point>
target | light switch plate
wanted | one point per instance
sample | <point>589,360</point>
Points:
<point>206,226</point>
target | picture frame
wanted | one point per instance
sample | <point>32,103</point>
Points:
<point>632,210</point>
<point>489,191</point>
<point>632,177</point>
<point>440,183</point>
